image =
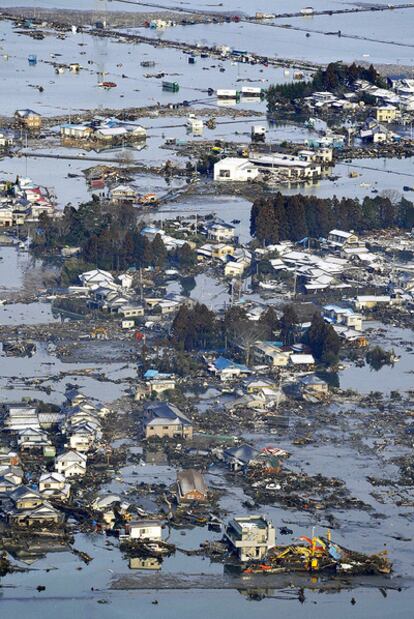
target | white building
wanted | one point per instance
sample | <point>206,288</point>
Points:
<point>235,169</point>
<point>144,530</point>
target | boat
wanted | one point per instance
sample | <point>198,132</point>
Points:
<point>107,85</point>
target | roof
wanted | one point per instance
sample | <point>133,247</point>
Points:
<point>299,359</point>
<point>341,233</point>
<point>221,363</point>
<point>245,453</point>
<point>311,379</point>
<point>167,411</point>
<point>190,480</point>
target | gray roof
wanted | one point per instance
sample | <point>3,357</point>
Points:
<point>190,480</point>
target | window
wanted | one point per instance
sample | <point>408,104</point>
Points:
<point>224,173</point>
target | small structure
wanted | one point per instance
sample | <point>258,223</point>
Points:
<point>250,537</point>
<point>149,530</point>
<point>191,486</point>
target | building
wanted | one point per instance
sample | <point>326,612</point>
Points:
<point>271,354</point>
<point>235,169</point>
<point>313,385</point>
<point>289,166</point>
<point>164,420</point>
<point>28,118</point>
<point>124,193</point>
<point>241,457</point>
<point>220,231</point>
<point>364,302</point>
<point>227,369</point>
<point>77,132</point>
<point>234,269</point>
<point>148,530</point>
<point>343,316</point>
<point>340,238</point>
<point>386,113</point>
<point>250,537</point>
<point>71,464</point>
<point>191,486</point>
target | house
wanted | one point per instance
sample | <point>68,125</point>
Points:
<point>227,369</point>
<point>6,217</point>
<point>220,231</point>
<point>32,438</point>
<point>288,166</point>
<point>54,485</point>
<point>271,354</point>
<point>110,134</point>
<point>221,250</point>
<point>77,132</point>
<point>241,457</point>
<point>234,269</point>
<point>250,537</point>
<point>386,113</point>
<point>26,498</point>
<point>344,316</point>
<point>124,193</point>
<point>96,278</point>
<point>149,530</point>
<point>42,515</point>
<point>191,486</point>
<point>257,385</point>
<point>195,125</point>
<point>301,360</point>
<point>71,464</point>
<point>28,118</point>
<point>6,139</point>
<point>312,385</point>
<point>235,169</point>
<point>131,311</point>
<point>20,417</point>
<point>158,382</point>
<point>364,302</point>
<point>164,420</point>
<point>340,238</point>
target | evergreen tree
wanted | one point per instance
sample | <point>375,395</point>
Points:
<point>323,340</point>
<point>288,325</point>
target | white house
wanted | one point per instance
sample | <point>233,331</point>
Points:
<point>235,169</point>
<point>71,464</point>
<point>144,530</point>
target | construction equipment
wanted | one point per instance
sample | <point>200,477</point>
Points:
<point>321,554</point>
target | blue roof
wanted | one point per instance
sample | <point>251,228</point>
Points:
<point>221,363</point>
<point>151,373</point>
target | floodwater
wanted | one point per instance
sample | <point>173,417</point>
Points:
<point>72,587</point>
<point>288,43</point>
<point>397,377</point>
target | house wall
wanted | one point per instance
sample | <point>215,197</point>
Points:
<point>168,431</point>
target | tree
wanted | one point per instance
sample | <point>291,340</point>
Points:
<point>159,251</point>
<point>186,256</point>
<point>323,340</point>
<point>194,328</point>
<point>269,322</point>
<point>288,325</point>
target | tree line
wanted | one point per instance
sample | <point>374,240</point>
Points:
<point>198,328</point>
<point>336,77</point>
<point>108,237</point>
<point>279,218</point>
